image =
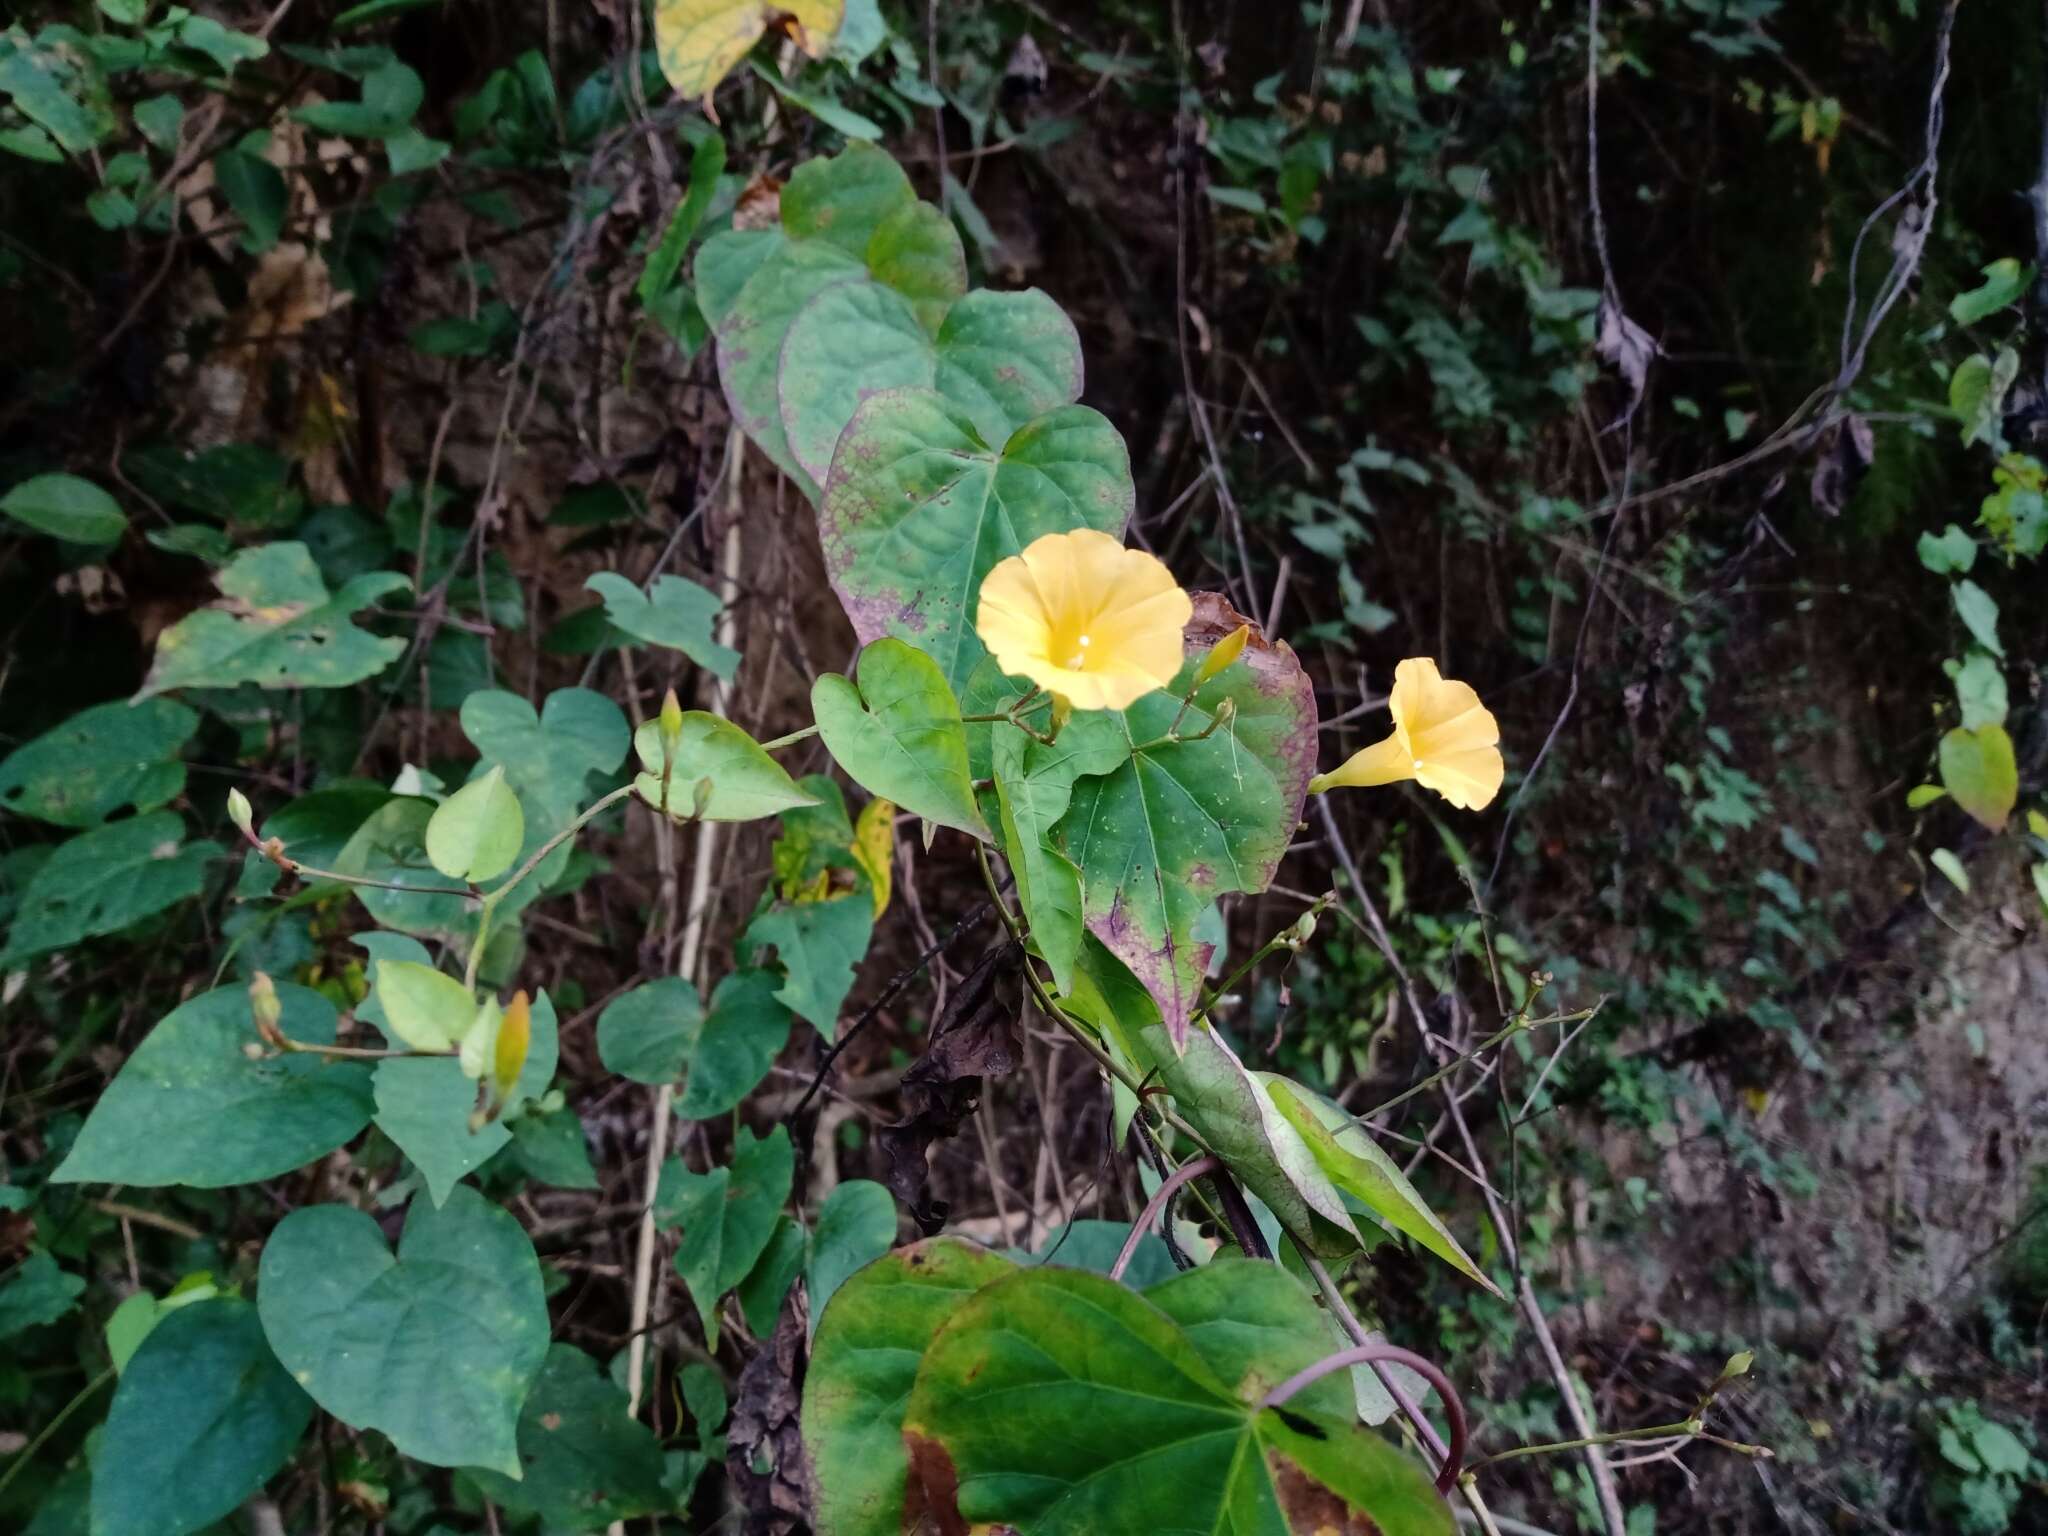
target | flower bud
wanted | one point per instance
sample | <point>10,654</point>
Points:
<point>515,1034</point>
<point>1222,654</point>
<point>242,814</point>
<point>671,722</point>
<point>267,1009</point>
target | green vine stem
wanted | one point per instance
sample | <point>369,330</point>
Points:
<point>492,897</point>
<point>57,1422</point>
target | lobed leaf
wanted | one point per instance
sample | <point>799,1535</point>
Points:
<point>898,734</point>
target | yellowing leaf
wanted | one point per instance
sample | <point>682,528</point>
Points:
<point>1979,769</point>
<point>515,1033</point>
<point>874,848</point>
<point>699,41</point>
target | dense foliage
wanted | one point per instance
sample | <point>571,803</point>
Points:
<point>725,805</point>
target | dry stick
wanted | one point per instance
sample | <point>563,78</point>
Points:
<point>693,941</point>
<point>1525,1293</point>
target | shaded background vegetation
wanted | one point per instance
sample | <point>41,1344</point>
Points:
<point>1339,274</point>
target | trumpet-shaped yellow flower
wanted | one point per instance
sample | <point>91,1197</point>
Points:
<point>1086,619</point>
<point>1444,739</point>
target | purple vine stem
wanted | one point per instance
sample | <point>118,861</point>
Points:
<point>1391,1354</point>
<point>1193,1168</point>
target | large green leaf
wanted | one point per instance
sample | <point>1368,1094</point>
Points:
<point>1034,784</point>
<point>203,1416</point>
<point>436,1347</point>
<point>726,1215</point>
<point>863,1363</point>
<point>744,782</point>
<point>276,626</point>
<point>919,509</point>
<point>587,1461</point>
<point>819,943</point>
<point>98,761</point>
<point>898,734</point>
<point>192,1107</point>
<point>101,881</point>
<point>1182,823</point>
<point>1005,1425</point>
<point>851,219</point>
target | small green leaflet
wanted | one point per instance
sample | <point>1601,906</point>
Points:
<point>819,944</point>
<point>424,1008</point>
<point>476,833</point>
<point>2004,281</point>
<point>726,1216</point>
<point>676,613</point>
<point>38,1292</point>
<point>856,1226</point>
<point>720,773</point>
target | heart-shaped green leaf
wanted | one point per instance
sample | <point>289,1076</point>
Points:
<point>1357,1166</point>
<point>1181,823</point>
<point>1004,1428</point>
<point>898,735</point>
<point>863,1364</point>
<point>856,1226</point>
<point>726,1215</point>
<point>476,832</point>
<point>555,761</point>
<point>192,1107</point>
<point>919,509</point>
<point>720,773</point>
<point>1979,769</point>
<point>276,626</point>
<point>203,1416</point>
<point>648,1034</point>
<point>436,1346</point>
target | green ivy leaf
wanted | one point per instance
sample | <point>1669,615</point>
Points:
<point>1182,823</point>
<point>766,1287</point>
<point>898,734</point>
<point>856,1226</point>
<point>919,510</point>
<point>424,1105</point>
<point>435,1347</point>
<point>864,1362</point>
<point>745,782</point>
<point>38,1292</point>
<point>678,614</point>
<point>66,507</point>
<point>203,1417</point>
<point>392,93</point>
<point>991,1428</point>
<point>726,1216</point>
<point>276,626</point>
<point>101,881</point>
<point>587,1461</point>
<point>98,761</point>
<point>819,943</point>
<point>190,1106</point>
<point>661,1033</point>
<point>475,833</point>
<point>1979,769</point>
<point>1357,1166</point>
<point>255,189</point>
<point>550,1148</point>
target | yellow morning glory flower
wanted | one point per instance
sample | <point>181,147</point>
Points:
<point>1086,619</point>
<point>1444,739</point>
